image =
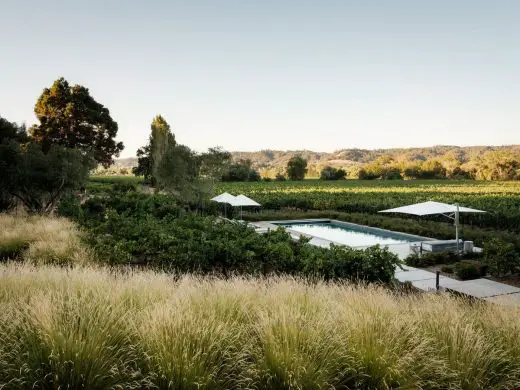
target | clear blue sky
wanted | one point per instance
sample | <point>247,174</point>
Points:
<point>248,75</point>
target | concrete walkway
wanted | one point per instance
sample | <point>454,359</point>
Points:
<point>479,288</point>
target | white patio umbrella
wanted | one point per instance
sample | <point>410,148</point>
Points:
<point>451,211</point>
<point>243,201</point>
<point>225,198</point>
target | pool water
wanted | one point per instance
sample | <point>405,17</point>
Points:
<point>349,235</point>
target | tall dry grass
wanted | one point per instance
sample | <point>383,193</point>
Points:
<point>96,328</point>
<point>43,240</point>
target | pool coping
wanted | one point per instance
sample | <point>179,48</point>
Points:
<point>276,224</point>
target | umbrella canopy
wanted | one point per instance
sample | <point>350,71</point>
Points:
<point>242,200</point>
<point>224,198</point>
<point>430,208</point>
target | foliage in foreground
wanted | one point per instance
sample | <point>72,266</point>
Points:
<point>41,240</point>
<point>153,230</point>
<point>89,328</point>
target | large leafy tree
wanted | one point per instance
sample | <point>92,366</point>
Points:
<point>297,168</point>
<point>149,157</point>
<point>39,179</point>
<point>69,116</point>
<point>498,165</point>
<point>178,172</point>
<point>161,139</point>
<point>241,170</point>
<point>214,163</point>
<point>10,132</point>
<point>144,164</point>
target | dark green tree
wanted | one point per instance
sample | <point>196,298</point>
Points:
<point>39,179</point>
<point>10,131</point>
<point>161,138</point>
<point>69,116</point>
<point>144,164</point>
<point>214,163</point>
<point>330,173</point>
<point>241,170</point>
<point>296,168</point>
<point>178,172</point>
<point>149,156</point>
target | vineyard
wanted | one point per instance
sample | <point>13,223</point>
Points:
<point>500,199</point>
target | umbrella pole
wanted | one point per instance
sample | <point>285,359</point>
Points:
<point>457,226</point>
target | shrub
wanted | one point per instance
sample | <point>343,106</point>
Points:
<point>447,269</point>
<point>501,257</point>
<point>133,229</point>
<point>482,268</point>
<point>123,187</point>
<point>427,259</point>
<point>466,271</point>
<point>280,177</point>
<point>70,207</point>
<point>13,249</point>
<point>330,173</point>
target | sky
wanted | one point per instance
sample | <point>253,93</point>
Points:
<point>250,75</point>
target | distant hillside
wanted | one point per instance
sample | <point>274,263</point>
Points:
<point>275,160</point>
<point>272,161</point>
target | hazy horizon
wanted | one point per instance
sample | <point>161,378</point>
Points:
<point>289,75</point>
<point>367,149</point>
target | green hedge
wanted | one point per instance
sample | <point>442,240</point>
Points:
<point>466,271</point>
<point>158,231</point>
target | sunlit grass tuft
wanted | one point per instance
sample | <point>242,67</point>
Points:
<point>99,328</point>
<point>42,240</point>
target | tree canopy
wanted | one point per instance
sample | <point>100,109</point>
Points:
<point>330,173</point>
<point>10,131</point>
<point>161,138</point>
<point>38,178</point>
<point>149,156</point>
<point>296,168</point>
<point>241,171</point>
<point>69,116</point>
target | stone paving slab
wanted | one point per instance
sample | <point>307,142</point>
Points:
<point>507,299</point>
<point>482,288</point>
<point>412,274</point>
<point>478,288</point>
<point>429,284</point>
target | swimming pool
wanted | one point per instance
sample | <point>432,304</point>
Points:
<point>349,234</point>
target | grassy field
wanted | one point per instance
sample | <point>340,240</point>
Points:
<point>97,328</point>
